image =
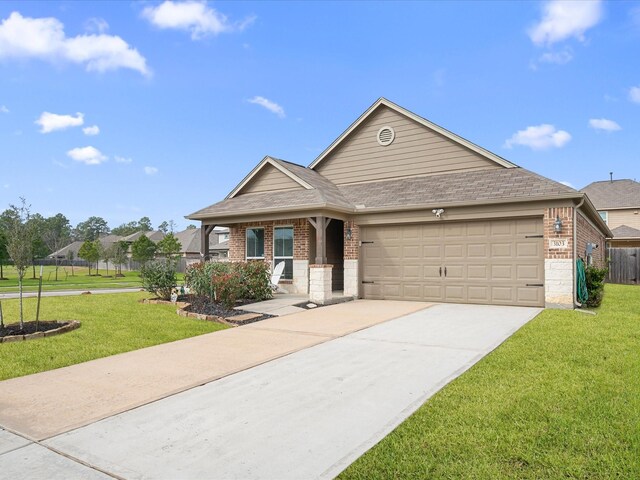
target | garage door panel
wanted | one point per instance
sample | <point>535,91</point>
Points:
<point>411,272</point>
<point>432,272</point>
<point>502,272</point>
<point>454,293</point>
<point>477,250</point>
<point>455,272</point>
<point>432,252</point>
<point>529,273</point>
<point>528,249</point>
<point>502,250</point>
<point>454,250</point>
<point>478,272</point>
<point>478,294</point>
<point>485,262</point>
<point>504,294</point>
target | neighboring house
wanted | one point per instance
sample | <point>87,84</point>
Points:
<point>618,203</point>
<point>191,241</point>
<point>155,236</point>
<point>106,241</point>
<point>399,208</point>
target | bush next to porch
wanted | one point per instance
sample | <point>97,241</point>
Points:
<point>227,282</point>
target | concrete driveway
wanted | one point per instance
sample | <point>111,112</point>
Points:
<point>308,414</point>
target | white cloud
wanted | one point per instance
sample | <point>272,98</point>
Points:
<point>60,164</point>
<point>634,94</point>
<point>568,184</point>
<point>87,155</point>
<point>4,109</point>
<point>150,170</point>
<point>604,124</point>
<point>92,130</point>
<point>560,58</point>
<point>269,105</point>
<point>45,39</point>
<point>195,17</point>
<point>539,137</point>
<point>563,19</point>
<point>50,122</point>
<point>122,159</point>
<point>96,24</point>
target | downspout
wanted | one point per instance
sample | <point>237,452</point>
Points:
<point>575,252</point>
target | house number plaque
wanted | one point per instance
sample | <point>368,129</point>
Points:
<point>559,243</point>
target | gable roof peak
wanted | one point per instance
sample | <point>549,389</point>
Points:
<point>277,163</point>
<point>417,118</point>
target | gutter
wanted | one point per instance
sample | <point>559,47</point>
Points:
<point>575,251</point>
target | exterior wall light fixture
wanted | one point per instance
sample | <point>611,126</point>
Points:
<point>349,233</point>
<point>557,225</point>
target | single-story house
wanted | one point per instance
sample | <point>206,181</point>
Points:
<point>618,203</point>
<point>106,241</point>
<point>400,208</point>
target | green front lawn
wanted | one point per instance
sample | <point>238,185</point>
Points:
<point>76,279</point>
<point>559,399</point>
<point>111,323</point>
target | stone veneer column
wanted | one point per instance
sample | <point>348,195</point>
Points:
<point>301,276</point>
<point>320,283</point>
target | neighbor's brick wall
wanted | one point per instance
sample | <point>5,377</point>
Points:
<point>586,233</point>
<point>351,247</point>
<point>566,215</point>
<point>237,238</point>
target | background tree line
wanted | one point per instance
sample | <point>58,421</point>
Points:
<point>46,235</point>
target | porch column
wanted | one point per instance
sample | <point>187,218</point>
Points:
<point>205,231</point>
<point>320,283</point>
<point>320,224</point>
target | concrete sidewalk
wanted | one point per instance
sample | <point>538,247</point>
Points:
<point>49,403</point>
<point>69,293</point>
<point>306,415</point>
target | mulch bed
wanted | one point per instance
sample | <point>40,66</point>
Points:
<point>204,305</point>
<point>29,328</point>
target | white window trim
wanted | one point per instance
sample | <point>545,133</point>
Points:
<point>246,243</point>
<point>606,216</point>
<point>274,245</point>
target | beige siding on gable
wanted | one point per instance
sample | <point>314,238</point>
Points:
<point>416,150</point>
<point>270,179</point>
<point>617,218</point>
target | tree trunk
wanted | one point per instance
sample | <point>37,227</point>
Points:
<point>21,315</point>
<point>56,270</point>
<point>33,264</point>
<point>1,271</point>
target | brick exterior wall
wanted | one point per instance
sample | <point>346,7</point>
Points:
<point>586,233</point>
<point>566,215</point>
<point>238,238</point>
<point>351,247</point>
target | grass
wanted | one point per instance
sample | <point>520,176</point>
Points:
<point>111,323</point>
<point>80,280</point>
<point>559,399</point>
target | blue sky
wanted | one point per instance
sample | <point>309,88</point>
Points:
<point>127,109</point>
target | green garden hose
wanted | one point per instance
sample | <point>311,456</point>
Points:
<point>583,295</point>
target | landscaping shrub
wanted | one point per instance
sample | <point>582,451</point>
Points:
<point>159,278</point>
<point>228,282</point>
<point>595,284</point>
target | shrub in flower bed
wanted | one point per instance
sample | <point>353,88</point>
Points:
<point>227,283</point>
<point>159,278</point>
<point>595,284</point>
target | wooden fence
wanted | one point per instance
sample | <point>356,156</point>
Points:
<point>624,265</point>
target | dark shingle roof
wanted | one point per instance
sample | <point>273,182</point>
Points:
<point>614,194</point>
<point>623,231</point>
<point>462,187</point>
<point>450,188</point>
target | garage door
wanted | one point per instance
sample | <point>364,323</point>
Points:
<point>490,262</point>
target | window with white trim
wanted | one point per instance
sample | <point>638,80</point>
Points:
<point>255,243</point>
<point>605,217</point>
<point>283,250</point>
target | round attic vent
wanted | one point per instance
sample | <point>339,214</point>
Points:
<point>386,136</point>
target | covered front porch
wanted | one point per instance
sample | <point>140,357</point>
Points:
<point>319,251</point>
